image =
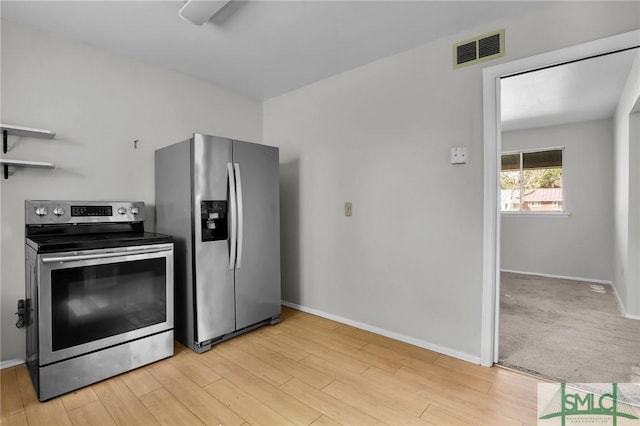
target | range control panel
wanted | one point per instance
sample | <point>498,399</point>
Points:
<point>51,212</point>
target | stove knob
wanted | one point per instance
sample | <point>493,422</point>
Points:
<point>135,210</point>
<point>122,210</point>
<point>58,211</point>
<point>41,211</point>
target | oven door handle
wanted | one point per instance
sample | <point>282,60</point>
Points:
<point>62,259</point>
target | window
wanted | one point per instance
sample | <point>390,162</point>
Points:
<point>531,181</point>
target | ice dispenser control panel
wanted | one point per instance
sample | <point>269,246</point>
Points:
<point>214,220</point>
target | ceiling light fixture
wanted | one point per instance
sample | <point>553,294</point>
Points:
<point>200,11</point>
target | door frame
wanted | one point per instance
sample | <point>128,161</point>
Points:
<point>492,147</point>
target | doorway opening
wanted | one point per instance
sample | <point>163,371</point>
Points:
<point>493,78</point>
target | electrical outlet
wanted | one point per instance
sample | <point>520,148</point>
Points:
<point>348,210</point>
<point>459,155</point>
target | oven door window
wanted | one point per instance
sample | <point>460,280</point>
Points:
<point>94,302</point>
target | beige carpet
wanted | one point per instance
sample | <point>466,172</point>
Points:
<point>567,331</point>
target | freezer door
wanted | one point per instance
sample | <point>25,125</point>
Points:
<point>214,280</point>
<point>258,257</point>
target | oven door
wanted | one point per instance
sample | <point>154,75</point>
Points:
<point>93,299</point>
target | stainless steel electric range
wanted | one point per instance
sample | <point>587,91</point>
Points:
<point>99,293</point>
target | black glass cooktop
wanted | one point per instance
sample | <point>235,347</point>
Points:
<point>74,238</point>
<point>48,244</point>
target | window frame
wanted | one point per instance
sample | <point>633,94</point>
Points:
<point>559,213</point>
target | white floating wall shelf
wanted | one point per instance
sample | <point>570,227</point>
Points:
<point>27,132</point>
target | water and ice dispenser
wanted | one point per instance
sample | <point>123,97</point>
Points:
<point>213,215</point>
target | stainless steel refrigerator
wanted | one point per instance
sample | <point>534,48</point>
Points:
<point>219,199</point>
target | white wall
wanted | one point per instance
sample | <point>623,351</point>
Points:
<point>633,286</point>
<point>580,245</point>
<point>627,197</point>
<point>98,103</point>
<point>409,261</point>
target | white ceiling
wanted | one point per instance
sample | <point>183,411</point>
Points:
<point>266,48</point>
<point>259,48</point>
<point>579,91</point>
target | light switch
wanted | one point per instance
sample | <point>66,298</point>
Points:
<point>347,209</point>
<point>459,155</point>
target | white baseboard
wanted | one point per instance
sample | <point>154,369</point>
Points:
<point>623,311</point>
<point>621,307</point>
<point>562,277</point>
<point>10,363</point>
<point>391,334</point>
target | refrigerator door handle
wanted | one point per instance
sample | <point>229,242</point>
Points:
<point>240,214</point>
<point>233,216</point>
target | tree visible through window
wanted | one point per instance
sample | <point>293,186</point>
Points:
<point>532,181</point>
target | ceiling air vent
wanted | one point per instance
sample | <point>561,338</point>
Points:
<point>479,49</point>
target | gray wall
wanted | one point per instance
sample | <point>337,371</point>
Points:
<point>627,196</point>
<point>633,294</point>
<point>579,245</point>
<point>98,104</point>
<point>409,260</point>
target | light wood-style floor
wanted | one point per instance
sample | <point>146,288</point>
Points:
<point>305,370</point>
